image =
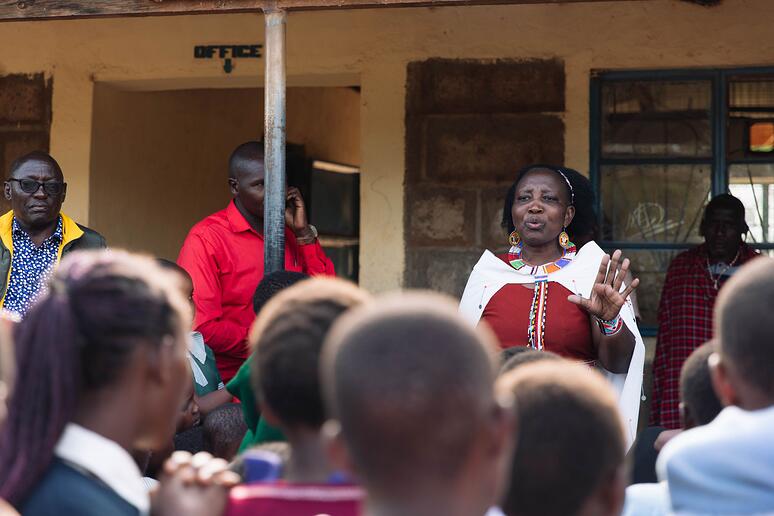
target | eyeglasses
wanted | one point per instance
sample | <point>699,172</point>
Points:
<point>31,186</point>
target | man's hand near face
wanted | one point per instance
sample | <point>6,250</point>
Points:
<point>295,217</point>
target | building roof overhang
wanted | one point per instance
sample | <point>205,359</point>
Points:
<point>19,10</point>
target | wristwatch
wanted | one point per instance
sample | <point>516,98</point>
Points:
<point>308,240</point>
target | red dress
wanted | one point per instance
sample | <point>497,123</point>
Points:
<point>568,330</point>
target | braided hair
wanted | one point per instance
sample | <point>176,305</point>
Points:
<point>76,339</point>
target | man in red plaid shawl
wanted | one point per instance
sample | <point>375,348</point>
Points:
<point>685,313</point>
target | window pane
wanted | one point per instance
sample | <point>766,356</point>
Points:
<point>653,203</point>
<point>754,186</point>
<point>344,257</point>
<point>656,119</point>
<point>750,116</point>
<point>747,93</point>
<point>650,267</point>
<point>337,210</point>
<point>761,136</point>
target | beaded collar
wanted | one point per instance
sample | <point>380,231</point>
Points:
<point>540,272</point>
<point>536,331</point>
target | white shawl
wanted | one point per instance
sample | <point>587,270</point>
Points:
<point>490,274</point>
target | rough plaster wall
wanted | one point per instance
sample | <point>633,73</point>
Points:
<point>159,162</point>
<point>470,125</point>
<point>327,122</point>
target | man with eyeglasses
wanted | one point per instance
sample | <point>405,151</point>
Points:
<point>35,234</point>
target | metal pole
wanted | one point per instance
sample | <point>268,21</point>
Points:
<point>274,142</point>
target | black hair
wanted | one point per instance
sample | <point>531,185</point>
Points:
<point>287,340</point>
<point>411,385</point>
<point>223,430</point>
<point>569,441</point>
<point>172,266</point>
<point>35,156</point>
<point>243,155</point>
<point>77,338</point>
<point>273,283</point>
<point>582,197</point>
<point>182,278</point>
<point>190,440</point>
<point>515,356</point>
<point>696,390</point>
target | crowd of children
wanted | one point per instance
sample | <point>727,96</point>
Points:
<point>353,405</point>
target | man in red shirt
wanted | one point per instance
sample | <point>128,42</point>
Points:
<point>224,256</point>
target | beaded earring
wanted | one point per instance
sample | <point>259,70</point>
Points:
<point>514,238</point>
<point>564,239</point>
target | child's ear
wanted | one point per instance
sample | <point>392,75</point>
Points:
<point>337,451</point>
<point>159,360</point>
<point>720,380</point>
<point>686,418</point>
<point>503,426</point>
<point>268,414</point>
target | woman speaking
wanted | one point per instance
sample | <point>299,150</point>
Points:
<point>546,294</point>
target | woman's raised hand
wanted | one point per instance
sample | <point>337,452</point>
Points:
<point>606,298</point>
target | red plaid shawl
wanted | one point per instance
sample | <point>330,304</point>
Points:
<point>684,323</point>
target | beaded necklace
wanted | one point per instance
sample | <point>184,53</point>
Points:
<point>716,280</point>
<point>537,314</point>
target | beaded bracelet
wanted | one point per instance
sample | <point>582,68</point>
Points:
<point>610,328</point>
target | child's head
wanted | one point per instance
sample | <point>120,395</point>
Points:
<point>287,338</point>
<point>744,329</point>
<point>570,442</point>
<point>698,402</point>
<point>511,358</point>
<point>272,283</point>
<point>189,414</point>
<point>224,428</point>
<point>410,384</point>
<point>109,339</point>
<point>184,279</point>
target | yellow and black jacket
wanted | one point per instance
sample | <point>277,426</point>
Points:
<point>74,238</point>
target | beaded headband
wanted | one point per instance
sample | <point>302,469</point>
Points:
<point>569,185</point>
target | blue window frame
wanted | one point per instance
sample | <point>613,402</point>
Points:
<point>662,143</point>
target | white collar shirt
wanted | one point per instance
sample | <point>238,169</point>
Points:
<point>107,461</point>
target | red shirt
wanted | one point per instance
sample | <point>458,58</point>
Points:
<point>294,500</point>
<point>684,324</point>
<point>224,257</point>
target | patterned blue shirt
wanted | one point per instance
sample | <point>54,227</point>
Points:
<point>30,268</point>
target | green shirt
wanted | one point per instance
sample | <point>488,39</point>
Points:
<point>205,371</point>
<point>258,430</point>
